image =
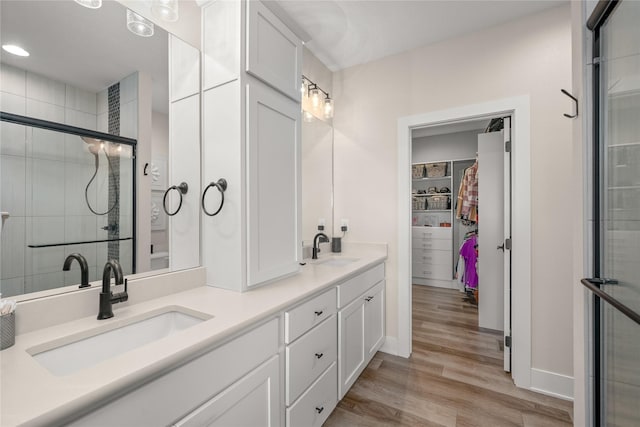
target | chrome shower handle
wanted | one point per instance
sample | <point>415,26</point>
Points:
<point>183,188</point>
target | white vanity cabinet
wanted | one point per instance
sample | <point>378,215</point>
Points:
<point>251,137</point>
<point>360,324</point>
<point>239,383</point>
<point>311,335</point>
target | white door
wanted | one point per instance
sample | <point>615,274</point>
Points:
<point>507,243</point>
<point>492,198</point>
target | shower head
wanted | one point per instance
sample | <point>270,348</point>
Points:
<point>94,144</point>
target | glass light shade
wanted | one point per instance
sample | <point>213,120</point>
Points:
<point>303,89</point>
<point>328,108</point>
<point>15,50</point>
<point>307,116</point>
<point>167,10</point>
<point>315,97</point>
<point>139,25</point>
<point>91,4</point>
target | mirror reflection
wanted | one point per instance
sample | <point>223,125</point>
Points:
<point>87,70</point>
<point>317,176</point>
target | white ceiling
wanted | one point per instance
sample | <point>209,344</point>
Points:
<point>349,32</point>
<point>463,126</point>
<point>89,49</point>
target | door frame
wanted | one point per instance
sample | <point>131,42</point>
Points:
<point>520,111</point>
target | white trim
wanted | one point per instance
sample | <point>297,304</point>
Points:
<point>552,384</point>
<point>519,107</point>
<point>390,346</point>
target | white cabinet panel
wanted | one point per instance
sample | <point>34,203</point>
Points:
<point>355,286</point>
<point>374,319</point>
<point>273,159</point>
<point>431,256</point>
<point>252,401</point>
<point>299,320</point>
<point>316,404</point>
<point>184,152</point>
<point>352,351</point>
<point>308,357</point>
<point>274,53</point>
<point>431,232</point>
<point>440,244</point>
<point>432,271</point>
<point>184,69</point>
<point>221,48</point>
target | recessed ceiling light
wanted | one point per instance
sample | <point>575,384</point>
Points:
<point>16,50</point>
<point>91,4</point>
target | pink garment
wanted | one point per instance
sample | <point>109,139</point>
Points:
<point>468,252</point>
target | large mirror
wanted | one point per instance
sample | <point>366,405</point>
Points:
<point>317,177</point>
<point>64,193</point>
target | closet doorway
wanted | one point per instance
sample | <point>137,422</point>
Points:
<point>451,246</point>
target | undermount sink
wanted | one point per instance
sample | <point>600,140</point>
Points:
<point>79,351</point>
<point>336,261</point>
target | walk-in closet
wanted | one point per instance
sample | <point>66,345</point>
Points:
<point>458,199</point>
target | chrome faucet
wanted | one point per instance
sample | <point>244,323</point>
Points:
<point>107,298</point>
<point>316,244</point>
<point>84,268</point>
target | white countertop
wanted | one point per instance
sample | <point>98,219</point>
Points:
<point>31,395</point>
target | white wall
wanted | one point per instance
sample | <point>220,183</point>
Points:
<point>448,146</point>
<point>159,156</point>
<point>528,56</point>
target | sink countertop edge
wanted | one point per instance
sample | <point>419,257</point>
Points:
<point>125,372</point>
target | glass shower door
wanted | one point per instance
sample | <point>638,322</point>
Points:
<point>619,226</point>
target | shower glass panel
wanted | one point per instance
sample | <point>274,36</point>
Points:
<point>619,226</point>
<point>71,192</point>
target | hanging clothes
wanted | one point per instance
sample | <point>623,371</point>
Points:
<point>468,251</point>
<point>460,273</point>
<point>467,203</point>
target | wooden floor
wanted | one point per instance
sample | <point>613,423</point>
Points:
<point>453,378</point>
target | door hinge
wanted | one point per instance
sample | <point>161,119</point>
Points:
<point>507,341</point>
<point>507,147</point>
<point>507,244</point>
<point>596,60</point>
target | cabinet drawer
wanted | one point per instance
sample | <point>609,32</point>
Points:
<point>353,288</point>
<point>432,271</point>
<point>274,53</point>
<point>304,317</point>
<point>431,256</point>
<point>419,243</point>
<point>309,356</point>
<point>431,232</point>
<point>316,404</point>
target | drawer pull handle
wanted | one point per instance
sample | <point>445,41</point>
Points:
<point>319,355</point>
<point>318,313</point>
<point>320,409</point>
<point>367,299</point>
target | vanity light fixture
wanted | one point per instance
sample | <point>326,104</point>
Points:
<point>314,92</point>
<point>91,4</point>
<point>139,25</point>
<point>307,116</point>
<point>328,108</point>
<point>15,50</point>
<point>167,10</point>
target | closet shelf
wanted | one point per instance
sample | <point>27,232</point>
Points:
<point>433,210</point>
<point>431,195</point>
<point>439,178</point>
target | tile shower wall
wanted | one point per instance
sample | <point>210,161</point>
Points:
<point>43,178</point>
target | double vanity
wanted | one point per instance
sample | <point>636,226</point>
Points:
<point>186,354</point>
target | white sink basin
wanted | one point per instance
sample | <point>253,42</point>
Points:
<point>76,352</point>
<point>336,261</point>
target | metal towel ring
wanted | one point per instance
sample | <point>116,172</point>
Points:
<point>221,185</point>
<point>183,188</point>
